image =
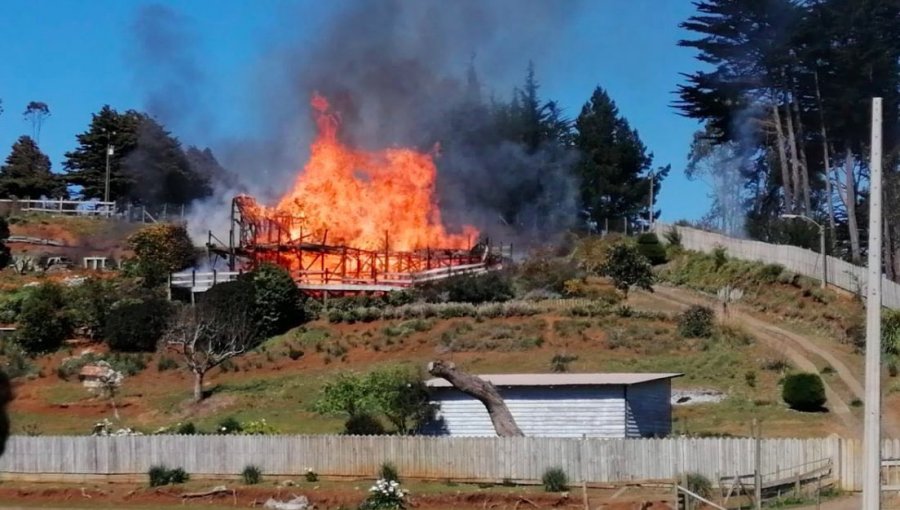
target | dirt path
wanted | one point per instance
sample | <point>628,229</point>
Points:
<point>794,346</point>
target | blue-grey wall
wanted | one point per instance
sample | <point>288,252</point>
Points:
<point>640,410</point>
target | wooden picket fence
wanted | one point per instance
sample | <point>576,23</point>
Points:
<point>521,459</point>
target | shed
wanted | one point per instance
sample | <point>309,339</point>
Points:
<point>611,405</point>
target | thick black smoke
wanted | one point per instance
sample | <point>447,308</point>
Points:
<point>397,72</point>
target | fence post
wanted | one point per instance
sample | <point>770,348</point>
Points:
<point>757,469</point>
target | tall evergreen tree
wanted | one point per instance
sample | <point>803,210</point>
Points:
<point>147,164</point>
<point>26,173</point>
<point>614,167</point>
<point>86,165</point>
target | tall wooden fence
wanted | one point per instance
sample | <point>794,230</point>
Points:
<point>841,274</point>
<point>521,459</point>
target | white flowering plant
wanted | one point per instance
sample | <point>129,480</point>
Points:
<point>386,495</point>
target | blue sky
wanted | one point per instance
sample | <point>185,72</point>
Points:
<point>75,56</point>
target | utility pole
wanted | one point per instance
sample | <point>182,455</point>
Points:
<point>650,223</point>
<point>872,423</point>
<point>109,152</point>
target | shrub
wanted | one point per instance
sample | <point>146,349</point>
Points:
<point>136,325</point>
<point>295,354</point>
<point>251,475</point>
<point>650,247</point>
<point>720,257</point>
<point>493,286</point>
<point>770,273</point>
<point>673,237</point>
<point>696,322</point>
<point>159,250</point>
<point>229,425</point>
<point>561,362</point>
<point>750,378</point>
<point>187,429</point>
<point>389,472</point>
<point>88,306</point>
<point>555,480</point>
<point>311,476</point>
<point>178,475</point>
<point>385,495</point>
<point>804,392</point>
<point>159,476</point>
<point>166,363</point>
<point>259,427</point>
<point>547,273</point>
<point>43,324</point>
<point>279,303</point>
<point>699,484</point>
<point>17,364</point>
<point>627,268</point>
<point>363,424</point>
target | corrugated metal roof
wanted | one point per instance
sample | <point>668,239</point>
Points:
<point>561,379</point>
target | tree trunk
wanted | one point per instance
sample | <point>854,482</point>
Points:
<point>795,161</point>
<point>485,392</point>
<point>198,386</point>
<point>782,161</point>
<point>801,152</point>
<point>826,158</point>
<point>850,203</point>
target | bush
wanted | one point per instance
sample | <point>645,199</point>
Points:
<point>720,257</point>
<point>279,303</point>
<point>159,476</point>
<point>229,425</point>
<point>43,324</point>
<point>311,476</point>
<point>251,475</point>
<point>295,354</point>
<point>389,472</point>
<point>560,362</point>
<point>699,485</point>
<point>166,363</point>
<point>627,268</point>
<point>547,273</point>
<point>363,424</point>
<point>696,322</point>
<point>136,325</point>
<point>493,286</point>
<point>804,392</point>
<point>650,247</point>
<point>159,250</point>
<point>187,429</point>
<point>555,480</point>
<point>178,475</point>
<point>88,306</point>
<point>673,237</point>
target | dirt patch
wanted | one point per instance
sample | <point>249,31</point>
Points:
<point>348,497</point>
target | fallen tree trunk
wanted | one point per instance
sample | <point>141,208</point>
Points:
<point>215,491</point>
<point>503,421</point>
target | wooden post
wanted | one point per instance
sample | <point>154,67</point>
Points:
<point>684,483</point>
<point>757,470</point>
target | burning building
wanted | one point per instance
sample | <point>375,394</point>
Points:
<point>354,221</point>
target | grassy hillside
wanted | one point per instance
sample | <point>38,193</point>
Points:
<point>269,383</point>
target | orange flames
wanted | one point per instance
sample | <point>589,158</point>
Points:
<point>363,199</point>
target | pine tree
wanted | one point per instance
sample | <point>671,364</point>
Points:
<point>86,165</point>
<point>26,173</point>
<point>614,166</point>
<point>147,165</point>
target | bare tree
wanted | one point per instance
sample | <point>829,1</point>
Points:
<point>36,112</point>
<point>503,421</point>
<point>206,336</point>
<point>110,382</point>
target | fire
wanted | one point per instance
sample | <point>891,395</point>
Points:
<point>367,199</point>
